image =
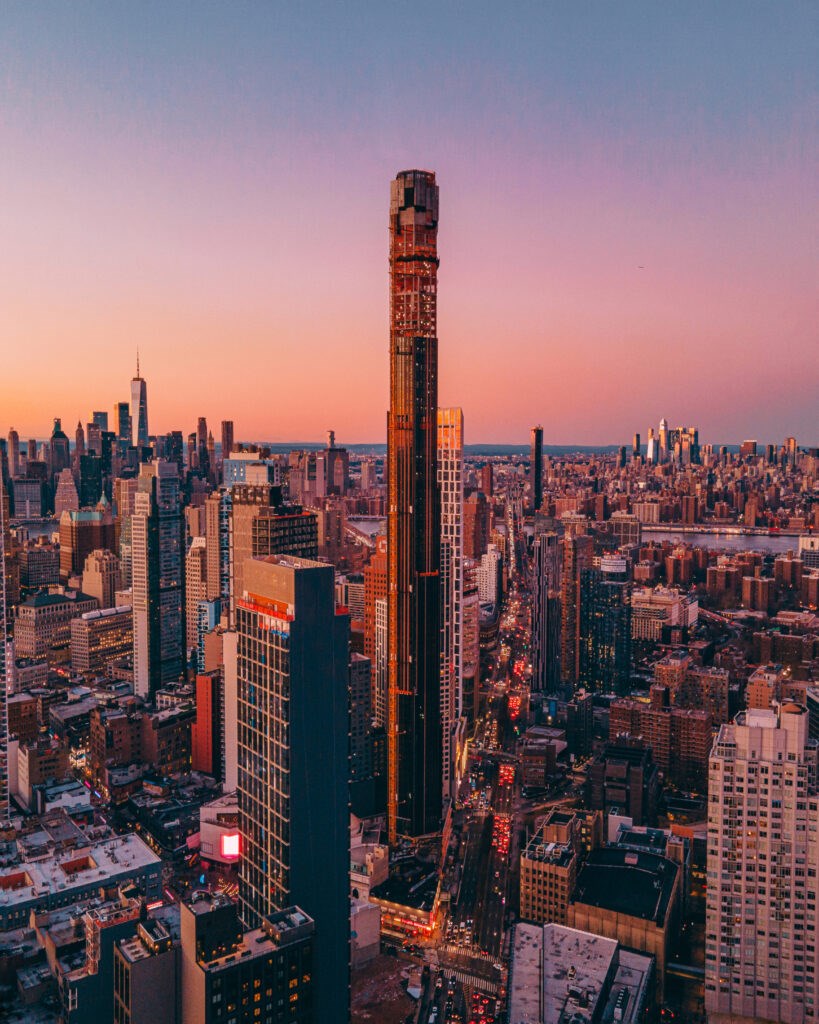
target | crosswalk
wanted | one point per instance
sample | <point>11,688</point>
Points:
<point>474,981</point>
<point>449,947</point>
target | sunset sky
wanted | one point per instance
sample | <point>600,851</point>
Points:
<point>628,215</point>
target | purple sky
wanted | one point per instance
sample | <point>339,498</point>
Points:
<point>628,218</point>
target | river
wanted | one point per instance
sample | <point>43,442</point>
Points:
<point>774,544</point>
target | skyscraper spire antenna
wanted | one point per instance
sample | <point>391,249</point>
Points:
<point>137,373</point>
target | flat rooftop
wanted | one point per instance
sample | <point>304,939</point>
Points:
<point>653,840</point>
<point>152,938</point>
<point>57,869</point>
<point>413,883</point>
<point>627,882</point>
<point>560,975</point>
<point>538,849</point>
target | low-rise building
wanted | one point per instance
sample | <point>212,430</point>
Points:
<point>42,624</point>
<point>129,734</point>
<point>39,762</point>
<point>559,975</point>
<point>28,673</point>
<point>365,932</point>
<point>409,898</point>
<point>548,870</point>
<point>100,638</point>
<point>58,864</point>
<point>656,611</point>
<point>23,717</point>
<point>86,980</point>
<point>630,896</point>
<point>219,836</point>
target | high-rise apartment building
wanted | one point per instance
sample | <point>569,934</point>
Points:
<point>576,555</point>
<point>122,415</point>
<point>761,960</point>
<point>369,478</point>
<point>337,466</point>
<point>293,725</point>
<point>362,761</point>
<point>381,680</point>
<point>451,481</point>
<point>261,525</point>
<point>81,533</point>
<point>548,868</point>
<point>139,411</point>
<point>195,588</point>
<point>490,575</point>
<point>59,451</point>
<point>101,638</point>
<point>487,481</point>
<point>651,446</point>
<point>375,588</point>
<point>101,577</point>
<point>207,753</point>
<point>471,643</point>
<point>15,463</point>
<point>66,497</point>
<point>413,520</point>
<point>261,976</point>
<point>536,467</point>
<point>663,438</point>
<point>157,579</point>
<point>217,543</point>
<point>546,612</point>
<point>477,519</point>
<point>145,976</point>
<point>227,438</point>
<point>605,626</point>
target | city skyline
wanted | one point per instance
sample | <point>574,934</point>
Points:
<point>645,175</point>
<point>420,723</point>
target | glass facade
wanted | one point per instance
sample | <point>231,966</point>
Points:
<point>413,521</point>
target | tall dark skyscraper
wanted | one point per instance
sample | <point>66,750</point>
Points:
<point>294,723</point>
<point>158,579</point>
<point>577,550</point>
<point>413,522</point>
<point>60,451</point>
<point>139,410</point>
<point>123,418</point>
<point>605,626</point>
<point>536,467</point>
<point>546,611</point>
<point>227,438</point>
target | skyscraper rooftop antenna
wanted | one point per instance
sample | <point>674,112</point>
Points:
<point>137,362</point>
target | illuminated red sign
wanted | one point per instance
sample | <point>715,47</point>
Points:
<point>230,845</point>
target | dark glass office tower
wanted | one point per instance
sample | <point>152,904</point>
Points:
<point>605,626</point>
<point>157,579</point>
<point>536,467</point>
<point>546,612</point>
<point>413,522</point>
<point>139,410</point>
<point>293,783</point>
